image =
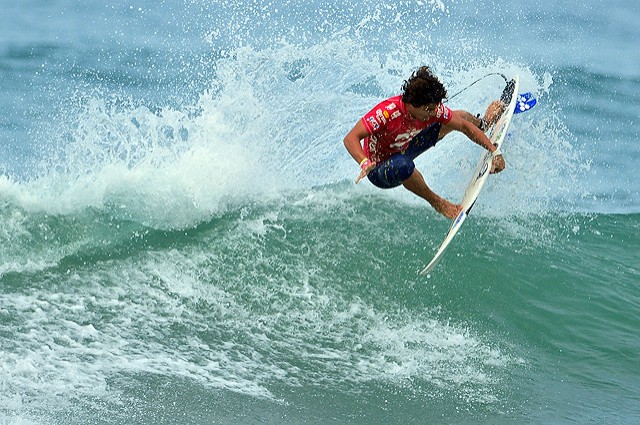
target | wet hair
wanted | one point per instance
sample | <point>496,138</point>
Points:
<point>423,88</point>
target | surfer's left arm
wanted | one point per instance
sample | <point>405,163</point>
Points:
<point>477,136</point>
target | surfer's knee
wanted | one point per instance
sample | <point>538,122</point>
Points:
<point>392,172</point>
<point>406,169</point>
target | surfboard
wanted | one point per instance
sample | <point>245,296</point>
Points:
<point>480,175</point>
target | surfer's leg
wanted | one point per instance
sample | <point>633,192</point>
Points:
<point>392,172</point>
<point>416,184</point>
<point>400,170</point>
<point>424,140</point>
<point>493,112</point>
<point>496,108</point>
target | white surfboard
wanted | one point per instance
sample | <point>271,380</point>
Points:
<point>480,175</point>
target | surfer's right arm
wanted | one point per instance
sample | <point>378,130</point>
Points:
<point>352,141</point>
<point>477,136</point>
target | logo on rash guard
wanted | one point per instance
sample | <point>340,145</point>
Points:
<point>374,123</point>
<point>381,117</point>
<point>404,138</point>
<point>373,144</point>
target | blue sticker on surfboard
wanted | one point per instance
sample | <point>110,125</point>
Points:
<point>525,102</point>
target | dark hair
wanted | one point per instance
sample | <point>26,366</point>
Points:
<point>423,88</point>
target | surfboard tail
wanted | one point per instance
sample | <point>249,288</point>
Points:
<point>457,222</point>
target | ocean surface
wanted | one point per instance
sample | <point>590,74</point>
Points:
<point>181,240</point>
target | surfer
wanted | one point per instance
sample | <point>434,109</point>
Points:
<point>386,141</point>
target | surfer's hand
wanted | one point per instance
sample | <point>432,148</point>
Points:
<point>448,209</point>
<point>365,168</point>
<point>497,164</point>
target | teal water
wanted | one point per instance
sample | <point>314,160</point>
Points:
<point>181,241</point>
<point>281,312</point>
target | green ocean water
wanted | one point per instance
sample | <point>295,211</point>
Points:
<point>309,309</point>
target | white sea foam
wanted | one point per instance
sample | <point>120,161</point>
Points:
<point>232,316</point>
